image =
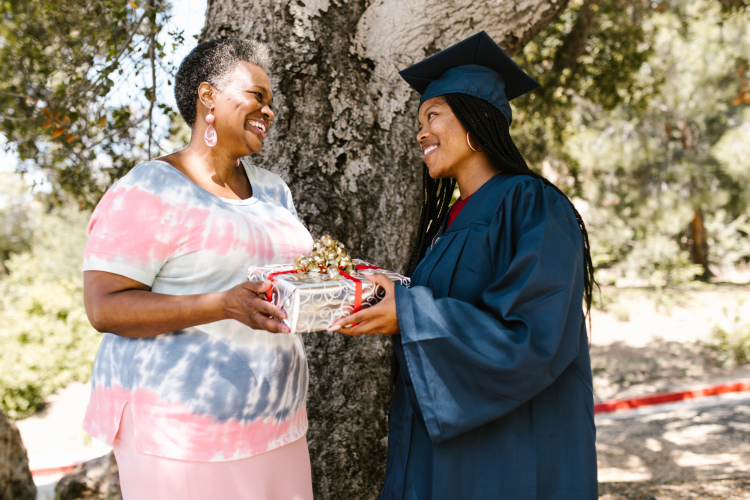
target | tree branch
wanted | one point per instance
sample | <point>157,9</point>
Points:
<point>152,56</point>
<point>13,94</point>
<point>105,74</point>
<point>572,48</point>
<point>118,131</point>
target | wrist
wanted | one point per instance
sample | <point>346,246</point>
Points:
<point>221,305</point>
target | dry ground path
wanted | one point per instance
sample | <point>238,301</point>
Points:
<point>693,449</point>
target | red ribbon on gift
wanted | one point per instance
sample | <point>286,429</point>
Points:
<point>357,284</point>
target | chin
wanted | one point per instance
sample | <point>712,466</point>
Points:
<point>254,148</point>
<point>436,173</point>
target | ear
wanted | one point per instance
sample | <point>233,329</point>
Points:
<point>206,95</point>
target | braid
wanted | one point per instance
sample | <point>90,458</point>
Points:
<point>437,198</point>
<point>490,130</point>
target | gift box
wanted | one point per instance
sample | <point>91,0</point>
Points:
<point>314,300</point>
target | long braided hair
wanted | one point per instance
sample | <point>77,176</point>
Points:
<point>489,128</point>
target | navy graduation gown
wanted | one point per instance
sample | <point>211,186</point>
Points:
<point>493,397</point>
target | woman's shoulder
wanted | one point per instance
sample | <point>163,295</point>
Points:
<point>150,183</point>
<point>269,187</point>
<point>153,176</point>
<point>526,188</point>
<point>263,178</point>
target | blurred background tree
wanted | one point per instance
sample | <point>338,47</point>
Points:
<point>80,105</point>
<point>79,95</point>
<point>643,117</point>
<point>45,338</point>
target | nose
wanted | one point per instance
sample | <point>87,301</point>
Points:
<point>421,135</point>
<point>268,112</point>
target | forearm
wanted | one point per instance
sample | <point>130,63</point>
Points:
<point>140,313</point>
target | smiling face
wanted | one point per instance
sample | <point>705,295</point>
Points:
<point>442,138</point>
<point>243,110</point>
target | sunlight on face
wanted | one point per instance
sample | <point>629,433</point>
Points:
<point>243,109</point>
<point>442,138</point>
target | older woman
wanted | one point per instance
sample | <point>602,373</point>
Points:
<point>192,388</point>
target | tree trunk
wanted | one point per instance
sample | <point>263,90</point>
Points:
<point>16,482</point>
<point>700,242</point>
<point>344,139</point>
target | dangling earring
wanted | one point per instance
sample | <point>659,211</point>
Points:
<point>210,136</point>
<point>469,143</point>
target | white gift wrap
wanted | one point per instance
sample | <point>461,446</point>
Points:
<point>313,301</point>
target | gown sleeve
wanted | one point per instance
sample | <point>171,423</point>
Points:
<point>466,364</point>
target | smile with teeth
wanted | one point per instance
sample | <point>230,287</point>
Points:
<point>429,149</point>
<point>258,124</point>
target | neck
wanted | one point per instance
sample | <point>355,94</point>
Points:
<point>473,174</point>
<point>214,169</point>
<point>216,162</point>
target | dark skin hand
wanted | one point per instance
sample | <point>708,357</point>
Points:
<point>380,318</point>
<point>125,307</point>
<point>447,153</point>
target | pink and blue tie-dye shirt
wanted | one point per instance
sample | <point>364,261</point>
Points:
<point>214,392</point>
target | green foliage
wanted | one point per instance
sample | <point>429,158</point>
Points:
<point>63,106</point>
<point>45,338</point>
<point>15,229</point>
<point>733,343</point>
<point>600,69</point>
<point>648,129</point>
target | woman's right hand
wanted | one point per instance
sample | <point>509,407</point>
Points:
<point>128,308</point>
<point>246,303</point>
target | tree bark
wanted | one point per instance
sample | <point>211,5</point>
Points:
<point>344,139</point>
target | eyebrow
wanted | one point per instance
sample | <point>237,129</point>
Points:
<point>427,110</point>
<point>265,93</point>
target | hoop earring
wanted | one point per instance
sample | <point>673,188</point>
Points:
<point>469,143</point>
<point>210,136</point>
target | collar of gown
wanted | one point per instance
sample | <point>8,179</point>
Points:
<point>473,205</point>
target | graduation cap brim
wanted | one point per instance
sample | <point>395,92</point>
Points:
<point>478,49</point>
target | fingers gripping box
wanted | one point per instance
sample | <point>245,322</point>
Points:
<point>314,300</point>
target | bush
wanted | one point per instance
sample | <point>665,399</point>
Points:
<point>733,343</point>
<point>45,337</point>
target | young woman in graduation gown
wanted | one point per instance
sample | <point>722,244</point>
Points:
<point>493,397</point>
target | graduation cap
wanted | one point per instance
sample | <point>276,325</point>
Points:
<point>476,66</point>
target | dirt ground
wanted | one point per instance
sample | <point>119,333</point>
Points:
<point>645,344</point>
<point>719,489</point>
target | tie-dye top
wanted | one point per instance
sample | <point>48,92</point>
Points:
<point>214,392</point>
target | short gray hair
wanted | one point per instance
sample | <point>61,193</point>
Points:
<point>212,62</point>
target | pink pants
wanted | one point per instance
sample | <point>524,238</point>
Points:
<point>279,474</point>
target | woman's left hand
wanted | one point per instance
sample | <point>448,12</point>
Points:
<point>380,318</point>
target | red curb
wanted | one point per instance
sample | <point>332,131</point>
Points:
<point>63,469</point>
<point>671,397</point>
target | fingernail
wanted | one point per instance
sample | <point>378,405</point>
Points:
<point>334,328</point>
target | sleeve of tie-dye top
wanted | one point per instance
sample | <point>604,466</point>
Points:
<point>128,235</point>
<point>288,201</point>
